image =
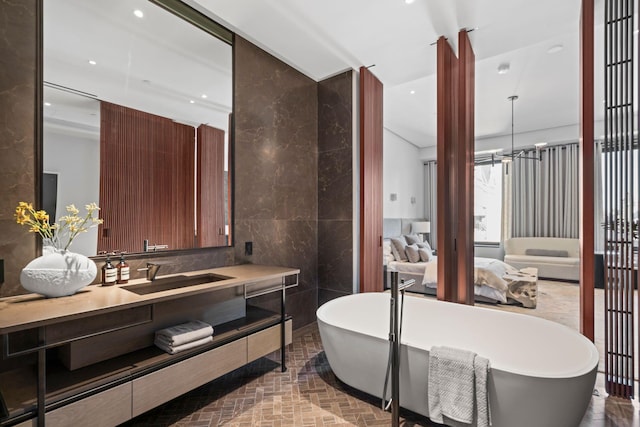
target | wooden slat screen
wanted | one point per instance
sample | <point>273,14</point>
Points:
<point>370,182</point>
<point>210,187</point>
<point>619,196</point>
<point>146,173</point>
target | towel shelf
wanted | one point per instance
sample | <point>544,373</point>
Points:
<point>89,362</point>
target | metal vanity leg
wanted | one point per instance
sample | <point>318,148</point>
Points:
<point>42,376</point>
<point>282,328</point>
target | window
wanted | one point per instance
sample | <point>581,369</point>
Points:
<point>487,217</point>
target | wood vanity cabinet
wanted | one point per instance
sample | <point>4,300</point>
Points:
<point>105,391</point>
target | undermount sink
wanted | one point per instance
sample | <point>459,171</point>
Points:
<point>173,282</point>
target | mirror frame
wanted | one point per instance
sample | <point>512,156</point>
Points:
<point>182,11</point>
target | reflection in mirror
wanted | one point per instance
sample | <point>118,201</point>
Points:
<point>136,118</point>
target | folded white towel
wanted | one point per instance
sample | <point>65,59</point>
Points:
<point>184,333</point>
<point>183,347</point>
<point>457,383</point>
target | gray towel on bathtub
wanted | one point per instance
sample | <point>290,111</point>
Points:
<point>457,384</point>
<point>481,367</point>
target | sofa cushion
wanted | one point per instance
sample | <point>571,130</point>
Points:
<point>519,245</point>
<point>533,261</point>
<point>547,252</point>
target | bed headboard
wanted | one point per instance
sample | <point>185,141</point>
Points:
<point>393,227</point>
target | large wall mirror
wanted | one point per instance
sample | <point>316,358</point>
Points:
<point>136,117</point>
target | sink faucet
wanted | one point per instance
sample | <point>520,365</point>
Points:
<point>146,247</point>
<point>152,270</point>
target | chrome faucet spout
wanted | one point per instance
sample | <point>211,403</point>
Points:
<point>152,270</point>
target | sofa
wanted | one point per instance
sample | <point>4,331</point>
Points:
<point>554,257</point>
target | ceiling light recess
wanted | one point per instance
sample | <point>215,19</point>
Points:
<point>555,48</point>
<point>138,13</point>
<point>504,68</point>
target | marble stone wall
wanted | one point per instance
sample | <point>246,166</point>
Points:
<point>276,164</point>
<point>335,186</point>
<point>17,105</point>
<point>277,175</point>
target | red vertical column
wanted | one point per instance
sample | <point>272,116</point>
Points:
<point>370,182</point>
<point>447,137</point>
<point>465,163</point>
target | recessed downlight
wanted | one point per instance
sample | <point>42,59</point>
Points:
<point>409,1</point>
<point>504,68</point>
<point>412,92</point>
<point>191,101</point>
<point>47,104</point>
<point>203,96</point>
<point>138,13</point>
<point>555,48</point>
<point>92,62</point>
<point>540,144</point>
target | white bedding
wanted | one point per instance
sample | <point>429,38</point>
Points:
<point>488,276</point>
<point>408,267</point>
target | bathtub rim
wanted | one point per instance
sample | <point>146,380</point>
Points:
<point>595,357</point>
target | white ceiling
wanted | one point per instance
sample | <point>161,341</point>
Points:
<point>322,38</point>
<point>157,64</point>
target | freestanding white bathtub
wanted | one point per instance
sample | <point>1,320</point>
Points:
<point>542,373</point>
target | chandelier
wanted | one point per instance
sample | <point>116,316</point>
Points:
<point>513,155</point>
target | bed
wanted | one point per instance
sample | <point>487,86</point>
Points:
<point>494,280</point>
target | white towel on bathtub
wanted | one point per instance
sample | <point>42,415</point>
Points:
<point>457,383</point>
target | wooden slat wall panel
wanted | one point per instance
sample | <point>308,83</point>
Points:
<point>447,130</point>
<point>619,197</point>
<point>230,163</point>
<point>211,187</point>
<point>183,184</point>
<point>586,175</point>
<point>370,182</point>
<point>465,169</point>
<point>138,155</point>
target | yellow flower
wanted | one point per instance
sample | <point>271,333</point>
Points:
<point>61,233</point>
<point>72,208</point>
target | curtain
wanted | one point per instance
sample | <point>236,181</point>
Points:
<point>545,193</point>
<point>431,200</point>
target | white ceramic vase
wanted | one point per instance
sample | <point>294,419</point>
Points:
<point>58,273</point>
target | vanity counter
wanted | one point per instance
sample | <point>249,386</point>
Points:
<point>32,310</point>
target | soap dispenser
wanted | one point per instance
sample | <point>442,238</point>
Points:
<point>109,272</point>
<point>123,271</point>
